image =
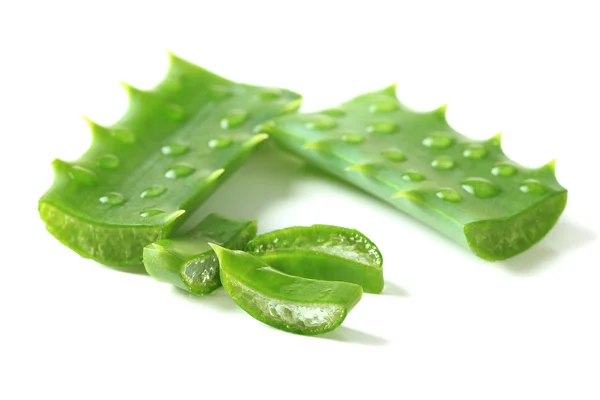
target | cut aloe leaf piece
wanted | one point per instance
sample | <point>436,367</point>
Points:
<point>174,146</point>
<point>323,252</point>
<point>286,302</point>
<point>466,189</point>
<point>188,262</point>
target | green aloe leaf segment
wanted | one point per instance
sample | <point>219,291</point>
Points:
<point>286,302</point>
<point>188,262</point>
<point>322,252</point>
<point>171,149</point>
<point>466,189</point>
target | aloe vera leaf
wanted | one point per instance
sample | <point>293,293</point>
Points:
<point>466,189</point>
<point>322,252</point>
<point>188,262</point>
<point>286,302</point>
<point>174,146</point>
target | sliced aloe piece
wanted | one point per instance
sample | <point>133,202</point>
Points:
<point>324,252</point>
<point>466,189</point>
<point>171,149</point>
<point>286,302</point>
<point>188,262</point>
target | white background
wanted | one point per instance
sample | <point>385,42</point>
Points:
<point>448,325</point>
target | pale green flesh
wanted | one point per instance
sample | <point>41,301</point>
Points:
<point>286,302</point>
<point>188,262</point>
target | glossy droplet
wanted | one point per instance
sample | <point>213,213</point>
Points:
<point>234,118</point>
<point>353,138</point>
<point>321,123</point>
<point>123,135</point>
<point>153,191</point>
<point>83,175</point>
<point>219,143</point>
<point>475,152</point>
<point>151,212</point>
<point>443,163</point>
<point>383,106</point>
<point>504,169</point>
<point>480,187</point>
<point>382,127</point>
<point>174,112</point>
<point>112,198</point>
<point>334,112</point>
<point>438,141</point>
<point>270,94</point>
<point>413,176</point>
<point>108,161</point>
<point>533,186</point>
<point>220,92</point>
<point>174,149</point>
<point>179,171</point>
<point>447,194</point>
<point>394,155</point>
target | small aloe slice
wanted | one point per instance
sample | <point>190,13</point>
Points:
<point>188,262</point>
<point>286,302</point>
<point>466,189</point>
<point>171,149</point>
<point>323,252</point>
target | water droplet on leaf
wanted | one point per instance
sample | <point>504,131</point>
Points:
<point>112,198</point>
<point>334,112</point>
<point>443,163</point>
<point>108,161</point>
<point>153,191</point>
<point>447,194</point>
<point>382,127</point>
<point>151,212</point>
<point>219,143</point>
<point>394,155</point>
<point>504,169</point>
<point>475,152</point>
<point>533,186</point>
<point>413,176</point>
<point>354,138</point>
<point>320,123</point>
<point>174,149</point>
<point>179,171</point>
<point>234,118</point>
<point>438,141</point>
<point>480,187</point>
<point>383,106</point>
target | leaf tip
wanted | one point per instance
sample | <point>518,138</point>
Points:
<point>59,165</point>
<point>496,141</point>
<point>219,251</point>
<point>550,166</point>
<point>391,90</point>
<point>129,89</point>
<point>441,111</point>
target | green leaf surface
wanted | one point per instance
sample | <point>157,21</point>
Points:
<point>188,262</point>
<point>323,252</point>
<point>466,189</point>
<point>145,174</point>
<point>286,302</point>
